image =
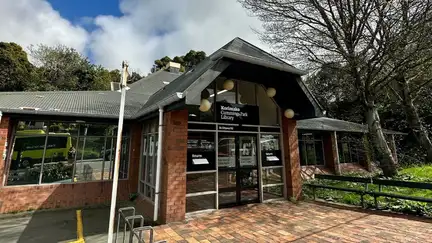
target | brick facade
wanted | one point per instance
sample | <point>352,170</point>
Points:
<point>173,195</point>
<point>46,196</point>
<point>292,158</point>
<point>331,153</point>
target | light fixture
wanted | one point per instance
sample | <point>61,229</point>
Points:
<point>271,92</point>
<point>205,105</point>
<point>228,84</point>
<point>289,113</point>
<point>220,92</point>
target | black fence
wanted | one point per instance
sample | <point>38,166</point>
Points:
<point>372,181</point>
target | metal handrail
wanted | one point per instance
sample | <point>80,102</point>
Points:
<point>134,232</point>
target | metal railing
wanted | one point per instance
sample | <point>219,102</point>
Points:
<point>135,234</point>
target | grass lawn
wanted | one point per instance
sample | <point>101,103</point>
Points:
<point>420,174</point>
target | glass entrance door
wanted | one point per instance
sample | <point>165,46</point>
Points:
<point>238,169</point>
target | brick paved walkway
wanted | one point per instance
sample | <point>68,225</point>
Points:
<point>304,222</point>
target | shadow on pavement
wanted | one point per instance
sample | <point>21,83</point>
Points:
<point>54,226</point>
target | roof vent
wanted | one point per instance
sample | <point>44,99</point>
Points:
<point>40,96</point>
<point>165,82</point>
<point>173,67</point>
<point>29,108</point>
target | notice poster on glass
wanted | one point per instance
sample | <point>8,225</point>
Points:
<point>271,157</point>
<point>201,154</point>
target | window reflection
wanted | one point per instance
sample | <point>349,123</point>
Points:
<point>60,152</point>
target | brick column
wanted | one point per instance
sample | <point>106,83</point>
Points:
<point>331,152</point>
<point>292,158</point>
<point>5,126</point>
<point>173,203</point>
<point>134,160</point>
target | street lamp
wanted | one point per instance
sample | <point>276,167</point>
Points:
<point>123,80</point>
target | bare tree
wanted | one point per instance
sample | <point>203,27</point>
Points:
<point>410,31</point>
<point>350,32</point>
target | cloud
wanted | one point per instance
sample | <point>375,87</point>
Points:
<point>151,29</point>
<point>29,22</point>
<point>146,30</point>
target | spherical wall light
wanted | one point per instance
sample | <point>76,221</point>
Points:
<point>205,105</point>
<point>289,113</point>
<point>271,92</point>
<point>228,84</point>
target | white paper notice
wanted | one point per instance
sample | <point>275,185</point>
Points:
<point>200,161</point>
<point>272,158</point>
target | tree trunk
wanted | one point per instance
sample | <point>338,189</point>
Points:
<point>386,161</point>
<point>413,118</point>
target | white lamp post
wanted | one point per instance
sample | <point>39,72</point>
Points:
<point>123,80</point>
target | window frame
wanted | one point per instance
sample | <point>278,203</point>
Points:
<point>12,141</point>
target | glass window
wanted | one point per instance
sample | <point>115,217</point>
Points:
<point>311,148</point>
<point>268,111</point>
<point>202,202</point>
<point>148,159</point>
<point>246,93</point>
<point>201,153</point>
<point>272,176</point>
<point>351,148</point>
<point>63,152</point>
<point>223,95</point>
<point>200,182</point>
<point>270,150</point>
<point>272,192</point>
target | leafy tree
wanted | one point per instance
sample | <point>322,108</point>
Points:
<point>63,68</point>
<point>188,61</point>
<point>16,72</point>
<point>134,77</point>
<point>351,33</point>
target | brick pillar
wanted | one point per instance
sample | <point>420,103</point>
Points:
<point>292,158</point>
<point>173,198</point>
<point>331,152</point>
<point>5,126</point>
<point>134,160</point>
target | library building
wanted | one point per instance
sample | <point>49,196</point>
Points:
<point>240,127</point>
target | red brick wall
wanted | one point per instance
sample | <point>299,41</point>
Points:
<point>21,198</point>
<point>292,158</point>
<point>173,198</point>
<point>32,197</point>
<point>330,154</point>
<point>4,134</point>
<point>135,154</point>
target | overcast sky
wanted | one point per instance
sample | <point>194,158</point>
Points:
<point>140,31</point>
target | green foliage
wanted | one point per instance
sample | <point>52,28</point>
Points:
<point>422,174</point>
<point>16,72</point>
<point>188,61</point>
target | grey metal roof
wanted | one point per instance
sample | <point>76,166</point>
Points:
<point>153,82</point>
<point>98,104</point>
<point>330,124</point>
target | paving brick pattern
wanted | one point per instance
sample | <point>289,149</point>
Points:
<point>303,222</point>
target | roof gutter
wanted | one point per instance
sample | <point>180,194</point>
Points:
<point>167,101</point>
<point>257,61</point>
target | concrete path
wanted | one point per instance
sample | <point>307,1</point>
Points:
<point>270,222</point>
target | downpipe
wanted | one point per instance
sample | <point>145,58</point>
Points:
<point>158,165</point>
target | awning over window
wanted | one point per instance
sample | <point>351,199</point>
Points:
<point>330,124</point>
